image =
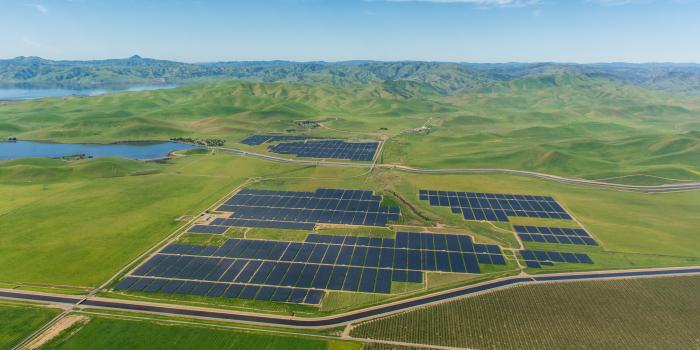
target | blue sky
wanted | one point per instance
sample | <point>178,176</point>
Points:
<point>305,30</point>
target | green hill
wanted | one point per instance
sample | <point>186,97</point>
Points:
<point>562,124</point>
<point>444,77</point>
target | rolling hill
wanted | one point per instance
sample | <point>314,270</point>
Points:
<point>560,124</point>
<point>442,76</point>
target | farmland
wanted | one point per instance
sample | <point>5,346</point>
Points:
<point>641,314</point>
<point>20,320</point>
<point>111,333</point>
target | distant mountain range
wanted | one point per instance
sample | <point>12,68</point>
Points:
<point>446,78</point>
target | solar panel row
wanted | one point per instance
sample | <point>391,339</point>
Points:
<point>227,290</point>
<point>494,206</point>
<point>554,235</point>
<point>271,273</point>
<point>336,206</point>
<point>538,258</point>
<point>412,240</point>
<point>319,193</point>
<point>255,140</point>
<point>363,218</point>
<point>362,151</point>
<point>207,229</point>
<point>348,255</point>
<point>346,263</point>
<point>288,225</point>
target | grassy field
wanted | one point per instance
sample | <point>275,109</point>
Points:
<point>77,223</point>
<point>574,126</point>
<point>110,333</point>
<point>17,321</point>
<point>658,313</point>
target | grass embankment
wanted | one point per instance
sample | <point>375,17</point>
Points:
<point>18,320</point>
<point>111,333</point>
<point>658,313</point>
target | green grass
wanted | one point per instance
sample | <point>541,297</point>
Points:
<point>658,313</point>
<point>17,321</point>
<point>69,226</point>
<point>111,333</point>
<point>74,227</point>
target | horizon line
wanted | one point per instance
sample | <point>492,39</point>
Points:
<point>358,60</point>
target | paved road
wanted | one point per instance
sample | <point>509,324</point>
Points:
<point>336,320</point>
<point>565,180</point>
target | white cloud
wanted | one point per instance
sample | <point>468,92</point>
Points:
<point>40,8</point>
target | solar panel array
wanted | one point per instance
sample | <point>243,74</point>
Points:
<point>212,229</point>
<point>362,151</point>
<point>495,206</point>
<point>228,290</point>
<point>302,210</point>
<point>554,235</point>
<point>538,258</point>
<point>301,271</point>
<point>260,139</point>
<point>419,251</point>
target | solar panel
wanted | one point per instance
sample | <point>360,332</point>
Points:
<point>301,210</point>
<point>257,269</point>
<point>255,140</point>
<point>494,207</point>
<point>554,235</point>
<point>537,258</point>
<point>208,229</point>
<point>313,297</point>
<point>358,151</point>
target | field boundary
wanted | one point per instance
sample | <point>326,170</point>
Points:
<point>341,319</point>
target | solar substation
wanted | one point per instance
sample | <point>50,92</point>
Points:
<point>301,210</point>
<point>255,140</point>
<point>538,258</point>
<point>495,206</point>
<point>301,272</point>
<point>359,151</point>
<point>554,235</point>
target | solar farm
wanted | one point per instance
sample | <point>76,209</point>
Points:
<point>300,210</point>
<point>310,147</point>
<point>278,270</point>
<point>495,206</point>
<point>300,272</point>
<point>359,151</point>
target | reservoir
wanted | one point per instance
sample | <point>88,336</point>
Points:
<point>17,94</point>
<point>31,149</point>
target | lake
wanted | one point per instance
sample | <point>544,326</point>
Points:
<point>13,94</point>
<point>30,149</point>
